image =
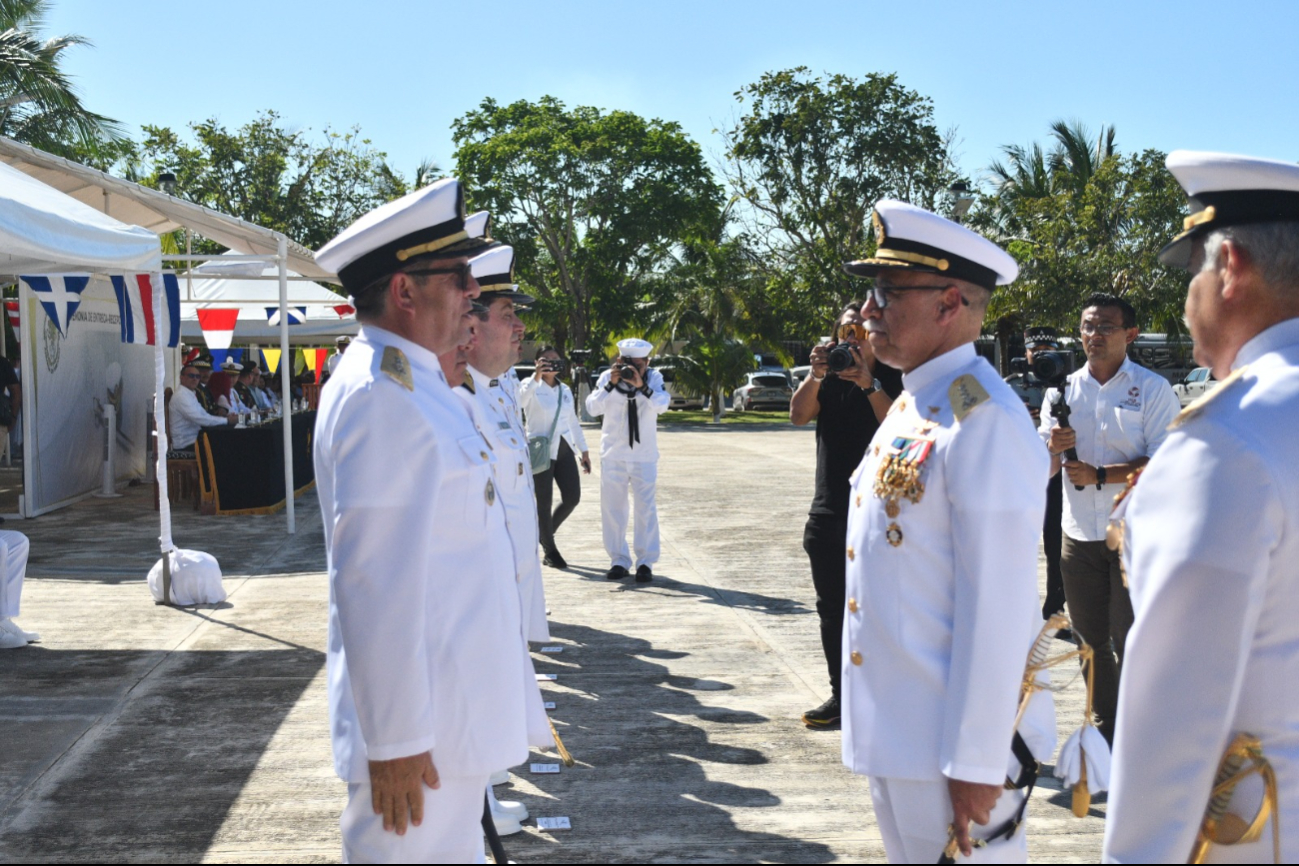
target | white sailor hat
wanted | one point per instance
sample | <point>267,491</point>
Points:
<point>634,347</point>
<point>911,238</point>
<point>1229,190</point>
<point>494,271</point>
<point>428,223</point>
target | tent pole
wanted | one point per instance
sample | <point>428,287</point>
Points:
<point>286,391</point>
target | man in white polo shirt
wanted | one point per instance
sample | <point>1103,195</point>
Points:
<point>1119,414</point>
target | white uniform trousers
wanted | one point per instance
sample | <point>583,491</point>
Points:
<point>914,817</point>
<point>617,479</point>
<point>14,548</point>
<point>452,830</point>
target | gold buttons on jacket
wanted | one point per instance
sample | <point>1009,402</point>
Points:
<point>859,500</point>
<point>482,454</point>
<point>852,554</point>
<point>852,605</point>
<point>856,658</point>
<point>490,493</point>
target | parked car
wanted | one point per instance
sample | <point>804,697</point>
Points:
<point>1197,383</point>
<point>666,365</point>
<point>798,374</point>
<point>763,390</point>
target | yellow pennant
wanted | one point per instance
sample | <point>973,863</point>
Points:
<point>272,358</point>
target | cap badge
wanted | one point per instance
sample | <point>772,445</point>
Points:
<point>395,365</point>
<point>879,228</point>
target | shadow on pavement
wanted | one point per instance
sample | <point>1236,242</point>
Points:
<point>650,747</point>
<point>99,765</point>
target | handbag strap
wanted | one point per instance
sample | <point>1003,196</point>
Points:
<point>559,407</point>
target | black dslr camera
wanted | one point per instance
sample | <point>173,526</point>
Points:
<point>840,358</point>
<point>1048,369</point>
<point>551,365</point>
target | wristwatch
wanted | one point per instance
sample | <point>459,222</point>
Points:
<point>875,386</point>
<point>1100,477</point>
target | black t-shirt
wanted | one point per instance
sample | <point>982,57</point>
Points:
<point>7,375</point>
<point>844,428</point>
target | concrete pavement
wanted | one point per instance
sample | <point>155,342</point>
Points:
<point>134,732</point>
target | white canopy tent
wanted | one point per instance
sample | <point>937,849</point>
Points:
<point>216,284</point>
<point>160,213</point>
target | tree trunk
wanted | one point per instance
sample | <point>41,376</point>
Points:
<point>719,406</point>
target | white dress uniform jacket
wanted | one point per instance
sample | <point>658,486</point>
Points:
<point>425,641</point>
<point>539,402</point>
<point>1212,556</point>
<point>188,417</point>
<point>515,486</point>
<point>1122,420</point>
<point>939,626</point>
<point>615,441</point>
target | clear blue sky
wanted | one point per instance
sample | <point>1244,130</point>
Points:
<point>1195,74</point>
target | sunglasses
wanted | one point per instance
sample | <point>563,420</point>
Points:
<point>463,271</point>
<point>851,329</point>
<point>881,295</point>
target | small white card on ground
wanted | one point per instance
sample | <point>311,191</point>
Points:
<point>554,824</point>
<point>552,649</point>
<point>548,705</point>
<point>544,769</point>
<point>547,677</point>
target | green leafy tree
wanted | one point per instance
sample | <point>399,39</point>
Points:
<point>810,157</point>
<point>593,202</point>
<point>38,104</point>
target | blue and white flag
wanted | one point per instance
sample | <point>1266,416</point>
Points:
<point>297,315</point>
<point>135,303</point>
<point>60,295</point>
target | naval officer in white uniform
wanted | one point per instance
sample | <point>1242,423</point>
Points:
<point>427,669</point>
<point>630,396</point>
<point>1212,535</point>
<point>944,516</point>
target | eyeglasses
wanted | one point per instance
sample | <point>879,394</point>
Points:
<point>190,376</point>
<point>881,294</point>
<point>462,270</point>
<point>851,329</point>
<point>1090,328</point>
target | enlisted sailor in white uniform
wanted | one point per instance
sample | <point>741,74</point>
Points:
<point>1212,536</point>
<point>630,396</point>
<point>945,513</point>
<point>427,669</point>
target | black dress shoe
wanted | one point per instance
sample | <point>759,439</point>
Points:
<point>825,716</point>
<point>644,575</point>
<point>616,573</point>
<point>554,560</point>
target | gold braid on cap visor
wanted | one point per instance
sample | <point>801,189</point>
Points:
<point>913,258</point>
<point>432,246</point>
<point>1198,219</point>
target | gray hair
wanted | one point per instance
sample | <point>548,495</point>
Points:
<point>1273,248</point>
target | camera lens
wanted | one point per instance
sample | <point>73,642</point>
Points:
<point>840,358</point>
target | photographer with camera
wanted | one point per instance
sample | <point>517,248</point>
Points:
<point>848,393</point>
<point>630,396</point>
<point>1044,366</point>
<point>1120,416</point>
<point>550,410</point>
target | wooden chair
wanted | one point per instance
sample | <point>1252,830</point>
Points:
<point>182,474</point>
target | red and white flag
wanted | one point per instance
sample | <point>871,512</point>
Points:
<point>218,326</point>
<point>135,293</point>
<point>11,310</point>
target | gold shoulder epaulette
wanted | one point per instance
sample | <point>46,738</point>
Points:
<point>469,383</point>
<point>966,393</point>
<point>398,369</point>
<point>1197,405</point>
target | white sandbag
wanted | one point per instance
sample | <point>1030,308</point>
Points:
<point>195,578</point>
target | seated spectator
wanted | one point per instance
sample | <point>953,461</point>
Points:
<point>244,387</point>
<point>13,569</point>
<point>222,388</point>
<point>188,417</point>
<point>204,394</point>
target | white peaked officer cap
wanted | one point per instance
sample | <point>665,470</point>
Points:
<point>494,271</point>
<point>913,239</point>
<point>426,224</point>
<point>635,348</point>
<point>1229,190</point>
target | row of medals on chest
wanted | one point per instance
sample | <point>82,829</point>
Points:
<point>898,475</point>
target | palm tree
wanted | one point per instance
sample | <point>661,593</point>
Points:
<point>38,103</point>
<point>712,284</point>
<point>1034,173</point>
